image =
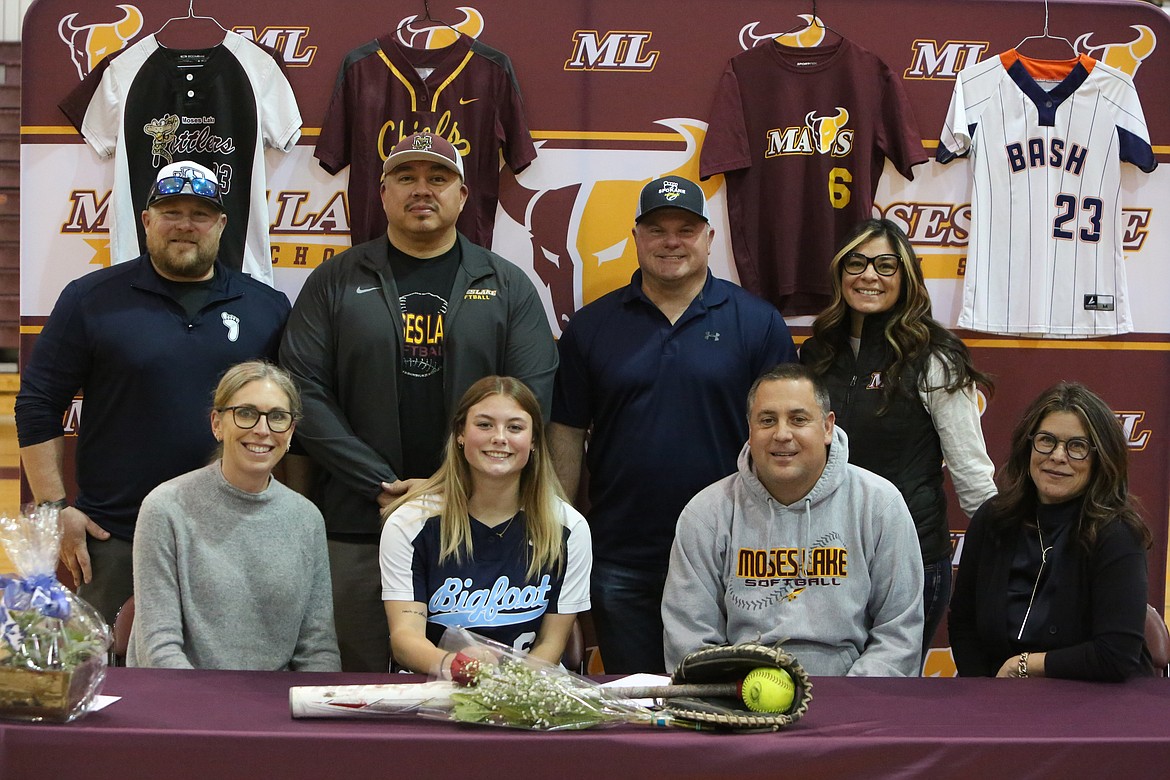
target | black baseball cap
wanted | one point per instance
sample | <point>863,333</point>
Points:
<point>672,192</point>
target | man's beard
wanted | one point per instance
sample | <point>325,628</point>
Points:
<point>194,267</point>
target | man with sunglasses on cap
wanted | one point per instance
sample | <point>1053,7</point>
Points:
<point>658,372</point>
<point>145,341</point>
<point>383,341</point>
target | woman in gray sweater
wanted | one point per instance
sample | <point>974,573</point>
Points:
<point>230,566</point>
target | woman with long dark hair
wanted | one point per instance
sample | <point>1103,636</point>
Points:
<point>1053,578</point>
<point>904,388</point>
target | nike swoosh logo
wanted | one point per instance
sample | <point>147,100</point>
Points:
<point>463,102</point>
<point>361,290</point>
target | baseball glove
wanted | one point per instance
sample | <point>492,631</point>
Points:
<point>731,663</point>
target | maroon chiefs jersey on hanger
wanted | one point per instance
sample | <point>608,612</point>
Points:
<point>802,136</point>
<point>465,92</point>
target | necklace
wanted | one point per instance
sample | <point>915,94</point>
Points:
<point>500,533</point>
<point>1043,560</point>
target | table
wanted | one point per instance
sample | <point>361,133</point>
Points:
<point>203,724</point>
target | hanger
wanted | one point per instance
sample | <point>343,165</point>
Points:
<point>190,15</point>
<point>800,34</point>
<point>426,18</point>
<point>1047,35</point>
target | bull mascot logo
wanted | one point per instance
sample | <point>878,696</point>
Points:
<point>577,213</point>
<point>418,33</point>
<point>90,43</point>
<point>1126,57</point>
<point>826,128</point>
<point>812,34</point>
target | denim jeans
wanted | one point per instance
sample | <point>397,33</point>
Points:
<point>627,613</point>
<point>936,597</point>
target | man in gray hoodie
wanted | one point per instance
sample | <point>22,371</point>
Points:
<point>798,546</point>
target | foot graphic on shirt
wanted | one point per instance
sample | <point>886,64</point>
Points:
<point>232,323</point>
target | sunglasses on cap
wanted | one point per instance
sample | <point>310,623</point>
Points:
<point>173,185</point>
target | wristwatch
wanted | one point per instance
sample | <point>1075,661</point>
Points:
<point>59,504</point>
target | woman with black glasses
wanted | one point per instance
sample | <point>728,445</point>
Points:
<point>230,566</point>
<point>903,388</point>
<point>1053,579</point>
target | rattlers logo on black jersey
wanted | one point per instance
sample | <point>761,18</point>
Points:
<point>149,106</point>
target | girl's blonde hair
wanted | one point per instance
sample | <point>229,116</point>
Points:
<point>540,491</point>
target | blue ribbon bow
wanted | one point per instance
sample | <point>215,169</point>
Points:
<point>41,592</point>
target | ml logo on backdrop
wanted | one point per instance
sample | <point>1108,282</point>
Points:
<point>931,60</point>
<point>289,41</point>
<point>619,50</point>
<point>89,44</point>
<point>71,420</point>
<point>1135,438</point>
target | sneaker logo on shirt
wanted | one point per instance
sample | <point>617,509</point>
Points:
<point>232,323</point>
<point>711,335</point>
<point>875,381</point>
<point>363,290</point>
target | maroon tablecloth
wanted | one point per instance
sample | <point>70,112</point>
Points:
<point>172,724</point>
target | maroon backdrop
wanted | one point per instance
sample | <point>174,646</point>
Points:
<point>663,58</point>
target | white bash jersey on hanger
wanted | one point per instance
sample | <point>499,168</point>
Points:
<point>1046,140</point>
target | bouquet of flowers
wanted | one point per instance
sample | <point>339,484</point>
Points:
<point>483,682</point>
<point>498,686</point>
<point>53,645</point>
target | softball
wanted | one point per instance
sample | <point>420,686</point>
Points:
<point>768,690</point>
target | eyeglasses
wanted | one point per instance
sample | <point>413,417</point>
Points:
<point>1076,448</point>
<point>279,420</point>
<point>885,265</point>
<point>173,185</point>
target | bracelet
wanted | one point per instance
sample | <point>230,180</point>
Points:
<point>1022,671</point>
<point>59,504</point>
<point>444,667</point>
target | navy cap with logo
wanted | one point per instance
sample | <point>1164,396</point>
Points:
<point>186,178</point>
<point>672,192</point>
<point>424,146</point>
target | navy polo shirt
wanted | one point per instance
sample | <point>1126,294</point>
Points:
<point>147,371</point>
<point>667,405</point>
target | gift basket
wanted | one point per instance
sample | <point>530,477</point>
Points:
<point>53,645</point>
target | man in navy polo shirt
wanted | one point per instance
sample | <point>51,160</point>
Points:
<point>146,342</point>
<point>657,373</point>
